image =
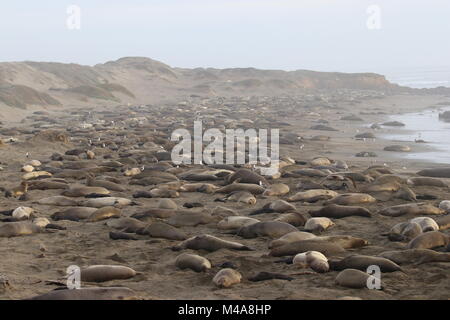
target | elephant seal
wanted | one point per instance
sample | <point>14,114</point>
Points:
<point>73,214</point>
<point>227,277</point>
<point>246,176</point>
<point>167,204</point>
<point>183,218</point>
<point>293,248</point>
<point>382,187</point>
<point>337,211</point>
<point>275,206</point>
<point>277,189</point>
<point>126,224</point>
<point>103,293</point>
<point>313,195</point>
<point>426,181</point>
<point>163,230</point>
<point>435,173</point>
<point>235,222</point>
<point>362,262</point>
<point>252,188</point>
<point>426,223</point>
<point>220,211</point>
<point>346,242</point>
<point>415,256</point>
<point>209,243</point>
<point>404,231</point>
<point>429,240</point>
<point>312,259</point>
<point>199,187</point>
<point>445,206</point>
<point>272,229</point>
<point>405,193</point>
<point>410,209</point>
<point>242,197</point>
<point>92,182</point>
<point>22,213</point>
<point>104,213</point>
<point>352,278</point>
<point>397,148</point>
<point>193,262</point>
<point>294,218</point>
<point>318,224</point>
<point>291,237</point>
<point>47,185</point>
<point>105,202</point>
<point>18,191</point>
<point>102,273</point>
<point>58,201</point>
<point>21,228</point>
<point>443,221</point>
<point>348,199</point>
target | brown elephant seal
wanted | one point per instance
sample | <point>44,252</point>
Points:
<point>73,214</point>
<point>167,204</point>
<point>362,262</point>
<point>246,176</point>
<point>199,187</point>
<point>58,201</point>
<point>36,175</point>
<point>404,231</point>
<point>102,273</point>
<point>426,181</point>
<point>410,209</point>
<point>107,202</point>
<point>272,229</point>
<point>337,211</point>
<point>352,278</point>
<point>293,248</point>
<point>397,148</point>
<point>291,237</point>
<point>382,187</point>
<point>184,218</point>
<point>348,199</point>
<point>47,185</point>
<point>318,224</point>
<point>277,189</point>
<point>389,178</point>
<point>104,213</point>
<point>84,191</point>
<point>193,262</point>
<point>241,197</point>
<point>346,242</point>
<point>20,228</point>
<point>126,224</point>
<point>443,221</point>
<point>103,293</point>
<point>209,243</point>
<point>252,188</point>
<point>405,193</point>
<point>313,195</point>
<point>275,206</point>
<point>294,218</point>
<point>435,172</point>
<point>220,211</point>
<point>312,259</point>
<point>227,277</point>
<point>17,191</point>
<point>415,256</point>
<point>163,230</point>
<point>150,213</point>
<point>429,240</point>
<point>235,222</point>
<point>92,182</point>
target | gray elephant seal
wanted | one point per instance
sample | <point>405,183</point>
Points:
<point>429,240</point>
<point>104,293</point>
<point>291,237</point>
<point>404,231</point>
<point>73,214</point>
<point>348,199</point>
<point>247,176</point>
<point>209,243</point>
<point>126,224</point>
<point>193,262</point>
<point>104,213</point>
<point>227,277</point>
<point>352,278</point>
<point>250,187</point>
<point>162,230</point>
<point>58,201</point>
<point>435,173</point>
<point>293,248</point>
<point>102,273</point>
<point>362,262</point>
<point>415,256</point>
<point>338,211</point>
<point>272,229</point>
<point>411,209</point>
<point>275,206</point>
<point>21,228</point>
<point>427,181</point>
<point>184,218</point>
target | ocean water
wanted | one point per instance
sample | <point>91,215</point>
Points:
<point>422,77</point>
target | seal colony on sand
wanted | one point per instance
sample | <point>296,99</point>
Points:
<point>103,194</point>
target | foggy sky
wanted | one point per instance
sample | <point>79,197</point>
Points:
<point>325,35</point>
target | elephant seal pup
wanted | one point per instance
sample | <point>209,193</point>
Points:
<point>445,205</point>
<point>405,193</point>
<point>209,243</point>
<point>250,187</point>
<point>435,173</point>
<point>312,259</point>
<point>443,221</point>
<point>47,185</point>
<point>429,240</point>
<point>348,199</point>
<point>246,176</point>
<point>163,230</point>
<point>404,231</point>
<point>352,278</point>
<point>426,181</point>
<point>227,277</point>
<point>426,223</point>
<point>277,189</point>
<point>346,242</point>
<point>58,201</point>
<point>102,273</point>
<point>318,224</point>
<point>291,237</point>
<point>275,206</point>
<point>293,248</point>
<point>20,228</point>
<point>185,218</point>
<point>128,225</point>
<point>272,229</point>
<point>84,191</point>
<point>167,204</point>
<point>193,262</point>
<point>337,211</point>
<point>235,222</point>
<point>242,197</point>
<point>410,209</point>
<point>389,178</point>
<point>103,293</point>
<point>362,262</point>
<point>313,195</point>
<point>73,214</point>
<point>104,213</point>
<point>295,218</point>
<point>416,256</point>
<point>22,213</point>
